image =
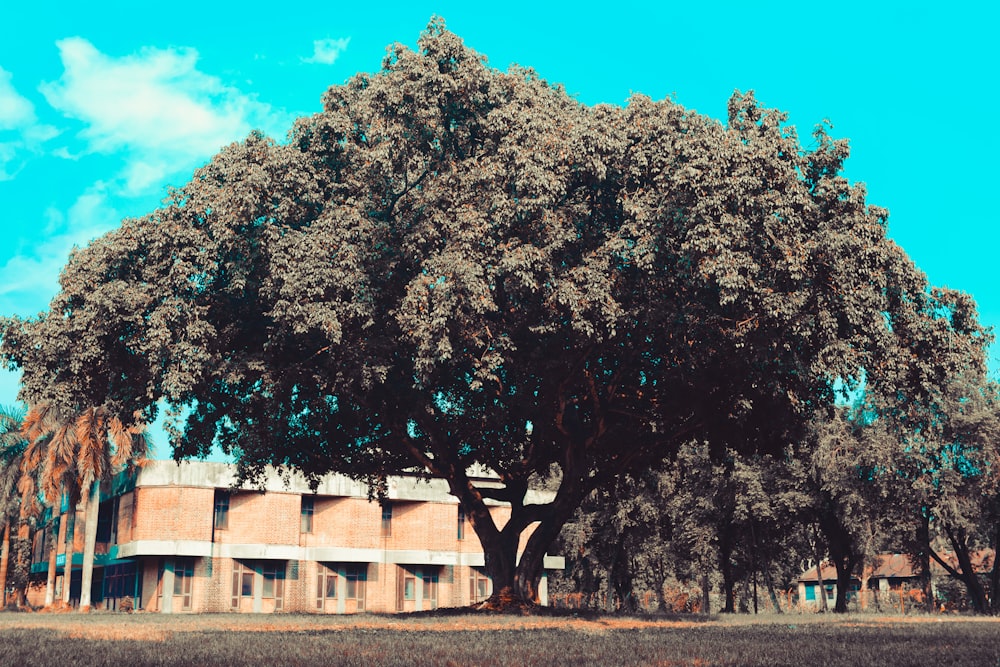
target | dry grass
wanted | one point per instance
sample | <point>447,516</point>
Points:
<point>496,640</point>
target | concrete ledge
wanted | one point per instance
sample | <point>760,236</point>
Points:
<point>164,548</point>
<point>211,474</point>
<point>316,554</point>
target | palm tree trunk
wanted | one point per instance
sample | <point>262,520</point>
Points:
<point>58,524</point>
<point>89,544</point>
<point>4,563</point>
<point>50,580</point>
<point>22,562</point>
<point>70,537</point>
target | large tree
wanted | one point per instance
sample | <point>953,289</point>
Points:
<point>452,267</point>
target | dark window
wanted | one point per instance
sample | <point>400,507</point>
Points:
<point>308,509</point>
<point>221,509</point>
<point>461,522</point>
<point>386,519</point>
<point>479,585</point>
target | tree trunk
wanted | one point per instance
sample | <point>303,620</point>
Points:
<point>773,594</point>
<point>4,563</point>
<point>866,571</point>
<point>820,588</point>
<point>528,570</point>
<point>995,573</point>
<point>89,544</point>
<point>842,551</point>
<point>726,568</point>
<point>977,596</point>
<point>50,580</point>
<point>844,565</point>
<point>22,562</point>
<point>500,556</point>
<point>68,550</point>
<point>706,594</point>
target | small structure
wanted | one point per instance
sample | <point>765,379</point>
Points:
<point>892,581</point>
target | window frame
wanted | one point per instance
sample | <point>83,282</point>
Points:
<point>184,581</point>
<point>477,578</point>
<point>355,577</point>
<point>220,512</point>
<point>307,512</point>
<point>325,576</point>
<point>241,571</point>
<point>386,529</point>
<point>273,573</point>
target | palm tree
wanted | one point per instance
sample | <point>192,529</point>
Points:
<point>52,432</point>
<point>82,449</point>
<point>12,450</point>
<point>95,431</point>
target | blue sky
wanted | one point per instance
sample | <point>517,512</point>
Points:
<point>102,105</point>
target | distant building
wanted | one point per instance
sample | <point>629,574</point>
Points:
<point>178,538</point>
<point>893,573</point>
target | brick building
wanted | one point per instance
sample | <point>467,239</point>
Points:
<point>179,538</point>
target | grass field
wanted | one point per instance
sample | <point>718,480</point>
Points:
<point>451,640</point>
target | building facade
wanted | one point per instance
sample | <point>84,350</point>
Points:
<point>179,538</point>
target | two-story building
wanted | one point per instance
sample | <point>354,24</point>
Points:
<point>180,538</point>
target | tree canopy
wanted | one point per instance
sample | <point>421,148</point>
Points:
<point>451,267</point>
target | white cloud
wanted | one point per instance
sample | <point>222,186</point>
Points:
<point>15,110</point>
<point>155,107</point>
<point>326,51</point>
<point>19,129</point>
<point>30,278</point>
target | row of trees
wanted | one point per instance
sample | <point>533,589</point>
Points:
<point>53,460</point>
<point>451,267</point>
<point>853,489</point>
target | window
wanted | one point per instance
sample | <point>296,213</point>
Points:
<point>242,582</point>
<point>479,585</point>
<point>387,519</point>
<point>120,583</point>
<point>183,580</point>
<point>308,509</point>
<point>355,576</point>
<point>430,591</point>
<point>336,580</point>
<point>107,521</point>
<point>274,582</point>
<point>221,509</point>
<point>409,585</point>
<point>810,592</point>
<point>461,522</point>
<point>326,586</point>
